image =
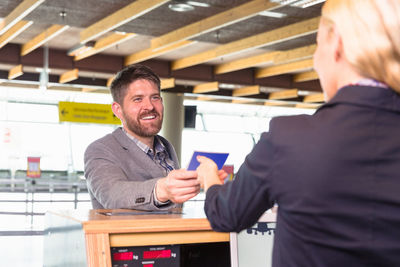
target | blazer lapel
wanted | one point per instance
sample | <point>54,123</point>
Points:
<point>136,154</point>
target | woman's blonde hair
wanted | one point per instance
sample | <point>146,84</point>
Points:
<point>370,31</point>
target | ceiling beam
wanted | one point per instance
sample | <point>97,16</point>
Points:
<point>80,48</point>
<point>150,53</point>
<point>306,76</point>
<point>307,105</point>
<point>88,89</point>
<point>206,88</point>
<point>263,39</point>
<point>266,58</point>
<point>18,14</point>
<point>278,104</point>
<point>295,54</point>
<point>245,63</point>
<point>15,72</point>
<point>98,68</point>
<point>118,18</point>
<point>110,80</point>
<point>167,83</point>
<point>42,38</point>
<point>314,98</point>
<point>284,94</point>
<point>105,43</point>
<point>217,21</point>
<point>247,91</point>
<point>205,98</point>
<point>69,76</point>
<point>250,101</point>
<point>301,65</point>
<point>14,31</point>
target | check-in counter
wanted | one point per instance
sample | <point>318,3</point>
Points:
<point>105,238</point>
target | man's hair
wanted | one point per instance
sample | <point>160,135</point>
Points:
<point>128,75</point>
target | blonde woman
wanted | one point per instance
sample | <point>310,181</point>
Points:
<point>335,174</point>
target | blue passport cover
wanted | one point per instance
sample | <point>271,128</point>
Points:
<point>218,158</point>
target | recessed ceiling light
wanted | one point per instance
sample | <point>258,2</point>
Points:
<point>180,7</point>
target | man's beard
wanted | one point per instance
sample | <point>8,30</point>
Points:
<point>136,127</point>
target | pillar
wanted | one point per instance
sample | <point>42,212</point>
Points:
<point>173,120</point>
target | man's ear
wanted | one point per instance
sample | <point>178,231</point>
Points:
<point>116,108</point>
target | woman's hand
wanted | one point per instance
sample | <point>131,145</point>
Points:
<point>208,174</point>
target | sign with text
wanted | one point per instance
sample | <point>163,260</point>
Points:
<point>86,113</point>
<point>33,169</point>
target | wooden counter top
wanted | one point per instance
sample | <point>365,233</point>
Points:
<point>133,221</point>
<point>99,230</point>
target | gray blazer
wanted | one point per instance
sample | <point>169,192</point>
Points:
<point>120,175</point>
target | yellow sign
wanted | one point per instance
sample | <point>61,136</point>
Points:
<point>84,112</point>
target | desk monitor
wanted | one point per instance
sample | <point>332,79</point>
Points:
<point>253,246</point>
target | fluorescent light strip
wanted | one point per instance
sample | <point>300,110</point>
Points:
<point>298,3</point>
<point>272,14</point>
<point>196,3</point>
<point>307,3</point>
<point>283,2</point>
<point>312,3</point>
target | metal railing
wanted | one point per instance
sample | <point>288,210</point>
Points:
<point>31,186</point>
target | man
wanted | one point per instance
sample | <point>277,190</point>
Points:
<point>133,167</point>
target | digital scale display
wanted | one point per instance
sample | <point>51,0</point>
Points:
<point>148,256</point>
<point>156,254</point>
<point>122,256</point>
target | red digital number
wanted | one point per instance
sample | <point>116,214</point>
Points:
<point>123,256</point>
<point>156,254</point>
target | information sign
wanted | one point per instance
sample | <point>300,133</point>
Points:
<point>86,113</point>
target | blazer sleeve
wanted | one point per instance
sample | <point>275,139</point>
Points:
<point>108,182</point>
<point>238,205</point>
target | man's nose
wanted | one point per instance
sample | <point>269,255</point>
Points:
<point>147,104</point>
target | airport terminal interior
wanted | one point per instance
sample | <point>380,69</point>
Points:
<point>232,65</point>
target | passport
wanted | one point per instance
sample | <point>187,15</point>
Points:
<point>218,158</point>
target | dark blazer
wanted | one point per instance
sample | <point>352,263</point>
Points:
<point>120,175</point>
<point>336,178</point>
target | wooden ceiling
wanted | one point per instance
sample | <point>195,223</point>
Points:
<point>226,51</point>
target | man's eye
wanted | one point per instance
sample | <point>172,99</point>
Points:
<point>137,99</point>
<point>156,97</point>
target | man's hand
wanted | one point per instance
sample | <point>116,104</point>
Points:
<point>178,187</point>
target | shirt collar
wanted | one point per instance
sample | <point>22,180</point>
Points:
<point>159,147</point>
<point>370,82</point>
